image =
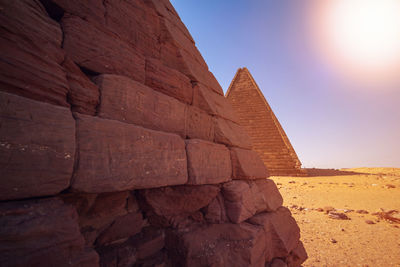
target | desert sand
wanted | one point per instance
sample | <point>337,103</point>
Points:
<point>365,238</point>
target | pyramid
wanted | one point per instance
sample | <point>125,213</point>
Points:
<point>267,135</point>
<point>118,147</point>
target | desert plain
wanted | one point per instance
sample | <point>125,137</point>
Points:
<point>347,217</point>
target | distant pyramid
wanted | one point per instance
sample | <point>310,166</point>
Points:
<point>268,137</point>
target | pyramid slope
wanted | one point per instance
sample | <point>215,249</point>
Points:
<point>256,116</point>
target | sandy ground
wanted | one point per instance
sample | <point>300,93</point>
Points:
<point>362,240</point>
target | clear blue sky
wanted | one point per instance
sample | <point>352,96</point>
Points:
<point>331,121</point>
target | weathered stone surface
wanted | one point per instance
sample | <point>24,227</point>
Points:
<point>247,164</point>
<point>114,156</point>
<point>30,53</point>
<point>89,10</point>
<point>199,125</point>
<point>215,212</point>
<point>243,199</point>
<point>100,50</point>
<point>128,101</point>
<point>231,134</point>
<point>179,200</point>
<point>148,242</point>
<point>37,147</point>
<point>257,118</point>
<point>83,94</point>
<point>239,201</point>
<point>208,163</point>
<point>218,245</point>
<point>212,102</point>
<point>123,227</point>
<point>168,81</point>
<point>277,262</point>
<point>282,232</point>
<point>42,233</point>
<point>136,23</point>
<point>297,256</point>
<point>266,195</point>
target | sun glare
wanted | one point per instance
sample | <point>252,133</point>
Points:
<point>361,36</point>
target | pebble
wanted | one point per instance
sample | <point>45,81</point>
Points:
<point>333,241</point>
<point>369,222</point>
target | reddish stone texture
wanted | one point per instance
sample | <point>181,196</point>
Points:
<point>89,10</point>
<point>258,119</point>
<point>37,147</point>
<point>212,103</point>
<point>246,164</point>
<point>208,163</point>
<point>180,199</point>
<point>230,134</point>
<point>168,81</point>
<point>83,94</point>
<point>30,53</point>
<point>100,50</point>
<point>297,256</point>
<point>128,101</point>
<point>215,211</point>
<point>42,233</point>
<point>199,125</point>
<point>266,195</point>
<point>114,157</point>
<point>218,245</point>
<point>123,227</point>
<point>282,232</point>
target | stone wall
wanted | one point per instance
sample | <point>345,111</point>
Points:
<point>266,133</point>
<point>118,148</point>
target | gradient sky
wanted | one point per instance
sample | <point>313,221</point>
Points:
<point>331,119</point>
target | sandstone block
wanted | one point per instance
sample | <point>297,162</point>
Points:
<point>239,201</point>
<point>89,10</point>
<point>42,233</point>
<point>246,164</point>
<point>212,102</point>
<point>30,53</point>
<point>100,50</point>
<point>123,227</point>
<point>266,195</point>
<point>168,81</point>
<point>208,163</point>
<point>37,147</point>
<point>114,156</point>
<point>128,101</point>
<point>83,93</point>
<point>199,125</point>
<point>231,134</point>
<point>179,200</point>
<point>218,245</point>
<point>215,212</point>
<point>148,242</point>
<point>282,232</point>
<point>297,256</point>
<point>135,23</point>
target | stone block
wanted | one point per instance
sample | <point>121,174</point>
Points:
<point>99,50</point>
<point>231,134</point>
<point>208,163</point>
<point>212,102</point>
<point>179,200</point>
<point>266,195</point>
<point>37,148</point>
<point>199,125</point>
<point>42,233</point>
<point>128,101</point>
<point>218,245</point>
<point>282,232</point>
<point>239,201</point>
<point>123,227</point>
<point>168,81</point>
<point>83,94</point>
<point>215,212</point>
<point>297,256</point>
<point>246,164</point>
<point>115,156</point>
<point>30,53</point>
